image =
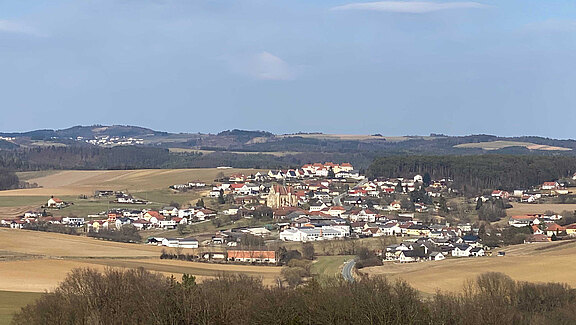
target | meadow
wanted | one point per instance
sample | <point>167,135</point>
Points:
<point>329,266</point>
<point>11,302</point>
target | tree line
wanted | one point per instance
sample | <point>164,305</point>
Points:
<point>475,173</point>
<point>8,180</point>
<point>133,157</point>
<point>137,296</point>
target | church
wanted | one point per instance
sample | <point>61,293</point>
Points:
<point>281,196</point>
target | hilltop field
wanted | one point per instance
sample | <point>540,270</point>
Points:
<point>148,184</point>
<point>500,144</point>
<point>537,262</point>
<point>76,182</point>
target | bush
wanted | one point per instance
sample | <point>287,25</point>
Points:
<point>141,297</point>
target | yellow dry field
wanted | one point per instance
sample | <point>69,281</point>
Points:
<point>76,182</point>
<point>33,261</point>
<point>13,212</point>
<point>60,245</point>
<point>528,208</point>
<point>522,262</point>
<point>495,145</point>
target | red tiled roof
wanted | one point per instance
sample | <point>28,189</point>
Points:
<point>525,217</point>
<point>153,214</point>
<point>283,189</point>
<point>555,227</point>
<point>251,254</point>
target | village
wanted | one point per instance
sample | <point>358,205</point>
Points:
<point>317,202</point>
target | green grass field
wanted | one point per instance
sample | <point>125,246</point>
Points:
<point>17,201</point>
<point>329,266</point>
<point>11,302</point>
<point>25,176</point>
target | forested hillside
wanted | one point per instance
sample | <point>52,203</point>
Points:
<point>477,172</point>
<point>133,157</point>
<point>8,180</point>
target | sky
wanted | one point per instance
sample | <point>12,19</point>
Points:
<point>503,67</point>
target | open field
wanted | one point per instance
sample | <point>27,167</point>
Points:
<point>11,302</point>
<point>39,275</point>
<point>77,182</point>
<point>528,208</point>
<point>495,145</point>
<point>13,212</point>
<point>522,262</point>
<point>26,176</point>
<point>150,184</point>
<point>33,261</point>
<point>58,245</point>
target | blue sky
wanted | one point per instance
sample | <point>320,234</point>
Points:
<point>505,67</point>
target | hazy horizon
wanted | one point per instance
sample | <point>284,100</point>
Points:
<point>287,133</point>
<point>346,67</point>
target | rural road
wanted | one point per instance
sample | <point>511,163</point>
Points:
<point>347,270</point>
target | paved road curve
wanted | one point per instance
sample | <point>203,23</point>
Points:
<point>347,270</point>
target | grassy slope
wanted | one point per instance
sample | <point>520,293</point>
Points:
<point>11,302</point>
<point>329,266</point>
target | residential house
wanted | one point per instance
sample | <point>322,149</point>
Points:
<point>252,256</point>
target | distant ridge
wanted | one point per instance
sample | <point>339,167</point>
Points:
<point>254,141</point>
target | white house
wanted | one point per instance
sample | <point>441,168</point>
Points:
<point>180,242</point>
<point>169,211</point>
<point>54,202</point>
<point>167,224</point>
<point>188,242</point>
<point>465,250</point>
<point>391,229</point>
<point>312,234</point>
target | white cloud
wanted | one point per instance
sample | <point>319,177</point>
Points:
<point>267,66</point>
<point>7,26</point>
<point>415,7</point>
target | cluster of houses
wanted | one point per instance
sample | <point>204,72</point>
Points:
<point>108,141</point>
<point>166,218</point>
<point>544,228</point>
<point>188,186</point>
<point>319,201</point>
<point>125,198</point>
<point>229,255</point>
<point>434,249</point>
<point>142,219</point>
<point>546,189</point>
<point>318,170</point>
<point>33,217</point>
